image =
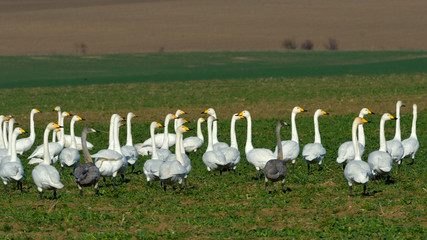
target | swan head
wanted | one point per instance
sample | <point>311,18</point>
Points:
<point>182,129</point>
<point>19,131</point>
<point>236,116</point>
<point>388,116</point>
<point>89,130</point>
<point>34,111</point>
<point>299,109</point>
<point>170,116</point>
<point>66,114</point>
<point>179,112</point>
<point>399,104</point>
<point>57,109</point>
<point>201,120</point>
<point>366,111</point>
<point>245,114</point>
<point>320,112</point>
<point>77,118</point>
<point>131,115</point>
<point>156,125</point>
<point>359,121</point>
<point>209,111</point>
<point>54,126</point>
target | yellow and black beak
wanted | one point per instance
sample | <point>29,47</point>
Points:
<point>160,125</point>
<point>325,113</point>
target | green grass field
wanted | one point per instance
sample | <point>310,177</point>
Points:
<point>317,205</point>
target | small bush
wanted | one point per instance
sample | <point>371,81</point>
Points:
<point>332,44</point>
<point>289,44</point>
<point>307,45</point>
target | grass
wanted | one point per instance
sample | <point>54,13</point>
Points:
<point>50,71</point>
<point>232,205</point>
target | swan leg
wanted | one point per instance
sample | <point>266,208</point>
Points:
<point>54,193</point>
<point>20,185</point>
<point>320,168</point>
<point>413,160</point>
<point>5,188</point>
<point>185,182</point>
<point>308,168</point>
<point>62,170</point>
<point>351,191</point>
<point>114,182</point>
<point>148,183</point>
<point>283,184</point>
<point>96,189</point>
<point>41,195</point>
<point>266,184</point>
<point>293,167</point>
<point>105,183</point>
<point>81,190</point>
<point>364,189</point>
<point>259,175</point>
<point>164,187</point>
<point>123,177</point>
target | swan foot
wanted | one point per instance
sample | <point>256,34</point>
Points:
<point>412,162</point>
<point>265,185</point>
<point>320,168</point>
<point>81,192</point>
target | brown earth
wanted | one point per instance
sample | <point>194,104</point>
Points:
<point>129,26</point>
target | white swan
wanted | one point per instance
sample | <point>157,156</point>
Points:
<point>232,154</point>
<point>5,131</point>
<point>70,156</point>
<point>394,146</point>
<point>159,136</point>
<point>128,150</point>
<point>12,170</point>
<point>25,144</point>
<point>8,151</point>
<point>191,144</point>
<point>109,161</point>
<point>315,152</point>
<point>357,171</point>
<point>152,166</point>
<point>290,148</point>
<point>380,161</point>
<point>45,176</point>
<point>172,172</point>
<point>411,144</point>
<point>213,159</point>
<point>258,157</point>
<point>216,144</point>
<point>346,150</point>
<point>2,139</point>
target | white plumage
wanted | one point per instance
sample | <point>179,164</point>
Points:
<point>411,144</point>
<point>213,159</point>
<point>152,166</point>
<point>217,145</point>
<point>70,156</point>
<point>25,144</point>
<point>191,144</point>
<point>394,146</point>
<point>128,150</point>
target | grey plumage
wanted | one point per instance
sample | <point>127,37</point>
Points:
<point>275,169</point>
<point>86,174</point>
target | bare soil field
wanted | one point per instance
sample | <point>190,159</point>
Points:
<point>129,26</point>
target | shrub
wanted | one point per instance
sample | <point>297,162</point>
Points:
<point>307,45</point>
<point>332,44</point>
<point>289,44</point>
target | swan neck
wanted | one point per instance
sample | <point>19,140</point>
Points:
<point>72,134</point>
<point>46,154</point>
<point>165,144</point>
<point>414,125</point>
<point>233,138</point>
<point>249,145</point>
<point>2,145</point>
<point>32,130</point>
<point>13,157</point>
<point>294,128</point>
<point>398,135</point>
<point>111,134</point>
<point>129,140</point>
<point>5,138</point>
<point>116,138</point>
<point>199,130</point>
<point>355,142</point>
<point>210,137</point>
<point>153,144</point>
<point>279,143</point>
<point>317,138</point>
<point>178,148</point>
<point>383,146</point>
<point>361,134</point>
<point>215,130</point>
<point>85,150</point>
<point>11,124</point>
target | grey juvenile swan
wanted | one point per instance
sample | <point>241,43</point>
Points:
<point>86,174</point>
<point>275,169</point>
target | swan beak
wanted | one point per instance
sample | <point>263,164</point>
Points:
<point>134,116</point>
<point>160,125</point>
<point>81,119</point>
<point>365,121</point>
<point>174,116</point>
<point>215,119</point>
<point>186,128</point>
<point>183,112</point>
<point>55,109</point>
<point>68,114</point>
<point>206,111</point>
<point>123,119</point>
<point>392,117</point>
<point>23,131</point>
<point>186,121</point>
<point>7,119</point>
<point>37,110</point>
<point>303,110</point>
<point>325,113</point>
<point>203,120</point>
<point>241,114</point>
<point>403,105</point>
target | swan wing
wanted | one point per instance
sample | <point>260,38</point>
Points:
<point>258,157</point>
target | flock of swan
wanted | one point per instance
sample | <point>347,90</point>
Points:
<point>174,168</point>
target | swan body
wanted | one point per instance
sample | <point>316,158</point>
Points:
<point>159,137</point>
<point>291,147</point>
<point>152,166</point>
<point>70,156</point>
<point>258,157</point>
<point>45,176</point>
<point>346,150</point>
<point>381,161</point>
<point>172,172</point>
<point>12,170</point>
<point>164,151</point>
<point>232,154</point>
<point>411,144</point>
<point>55,148</point>
<point>213,159</point>
<point>275,169</point>
<point>128,150</point>
<point>86,174</point>
<point>394,146</point>
<point>315,152</point>
<point>217,145</point>
<point>357,171</point>
<point>109,161</point>
<point>25,144</point>
<point>191,144</point>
